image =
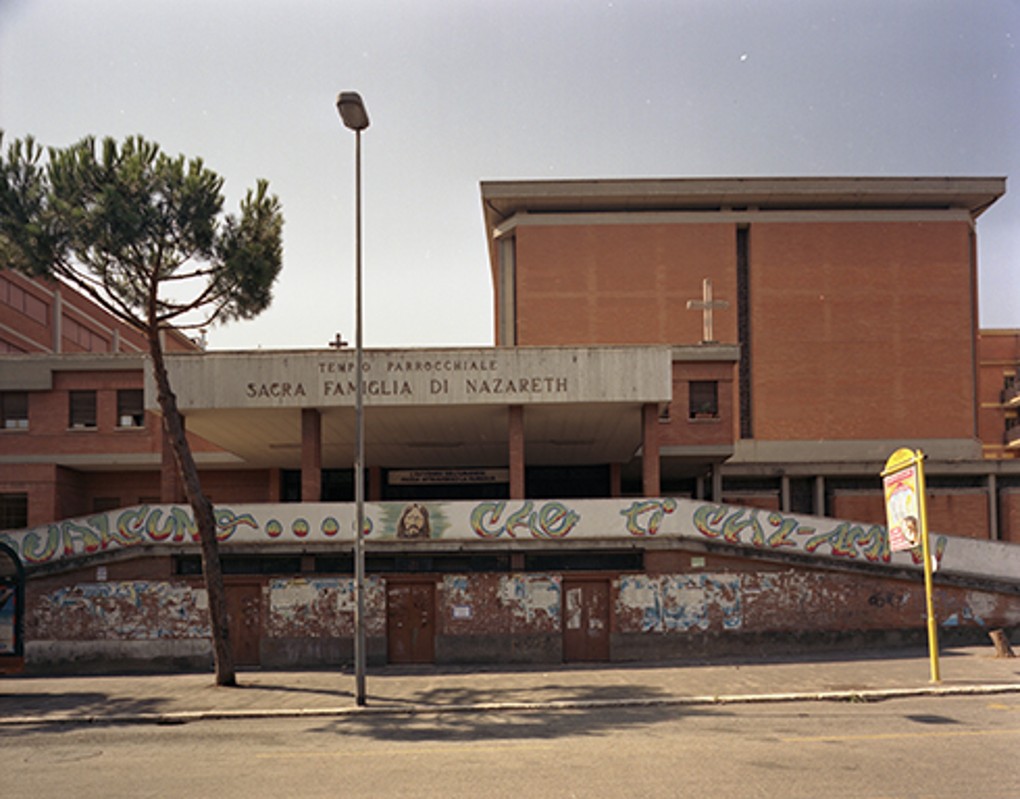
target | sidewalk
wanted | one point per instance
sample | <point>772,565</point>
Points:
<point>180,698</point>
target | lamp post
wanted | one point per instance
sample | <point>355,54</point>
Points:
<point>355,116</point>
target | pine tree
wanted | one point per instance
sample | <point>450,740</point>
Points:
<point>136,230</point>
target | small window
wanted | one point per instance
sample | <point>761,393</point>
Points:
<point>130,412</point>
<point>82,409</point>
<point>103,504</point>
<point>14,410</point>
<point>704,399</point>
<point>13,511</point>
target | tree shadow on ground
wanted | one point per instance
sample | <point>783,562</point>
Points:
<point>551,712</point>
<point>55,711</point>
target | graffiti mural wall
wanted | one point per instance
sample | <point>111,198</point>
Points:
<point>503,522</point>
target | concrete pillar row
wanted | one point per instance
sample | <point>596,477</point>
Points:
<point>311,455</point>
<point>650,468</point>
<point>515,437</point>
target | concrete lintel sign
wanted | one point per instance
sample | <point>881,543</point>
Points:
<point>493,376</point>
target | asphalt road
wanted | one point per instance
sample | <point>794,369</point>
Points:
<point>929,748</point>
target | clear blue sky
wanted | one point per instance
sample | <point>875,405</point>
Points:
<point>461,91</point>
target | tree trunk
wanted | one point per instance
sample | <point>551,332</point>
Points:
<point>1001,643</point>
<point>205,521</point>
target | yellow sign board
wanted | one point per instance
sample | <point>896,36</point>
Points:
<point>906,513</point>
<point>902,500</point>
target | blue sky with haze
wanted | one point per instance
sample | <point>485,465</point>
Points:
<point>461,91</point>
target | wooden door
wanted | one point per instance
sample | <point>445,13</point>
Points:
<point>585,620</point>
<point>244,612</point>
<point>411,622</point>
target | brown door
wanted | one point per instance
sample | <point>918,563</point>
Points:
<point>411,622</point>
<point>585,620</point>
<point>244,611</point>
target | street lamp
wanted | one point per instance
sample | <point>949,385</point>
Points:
<point>354,116</point>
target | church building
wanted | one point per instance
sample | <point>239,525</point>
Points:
<point>672,449</point>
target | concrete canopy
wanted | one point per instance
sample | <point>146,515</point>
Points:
<point>424,408</point>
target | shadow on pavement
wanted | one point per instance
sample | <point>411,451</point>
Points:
<point>55,707</point>
<point>533,723</point>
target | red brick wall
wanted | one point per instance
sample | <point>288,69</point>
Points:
<point>765,501</point>
<point>1009,514</point>
<point>856,325</point>
<point>858,506</point>
<point>998,356</point>
<point>959,512</point>
<point>683,431</point>
<point>85,327</point>
<point>622,284</point>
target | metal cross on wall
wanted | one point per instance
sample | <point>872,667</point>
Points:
<point>338,342</point>
<point>707,305</point>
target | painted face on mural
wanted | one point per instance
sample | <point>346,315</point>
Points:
<point>414,522</point>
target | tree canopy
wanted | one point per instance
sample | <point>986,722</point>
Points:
<point>143,234</point>
<point>139,231</point>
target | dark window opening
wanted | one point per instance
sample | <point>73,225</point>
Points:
<point>802,495</point>
<point>445,492</point>
<point>336,564</point>
<point>703,399</point>
<point>290,485</point>
<point>335,485</point>
<point>744,329</point>
<point>82,409</point>
<point>191,565</point>
<point>14,410</point>
<point>453,562</point>
<point>583,561</point>
<point>561,482</point>
<point>103,504</point>
<point>130,410</point>
<point>13,511</point>
<point>338,485</point>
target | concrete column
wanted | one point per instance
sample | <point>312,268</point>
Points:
<point>699,487</point>
<point>171,487</point>
<point>273,489</point>
<point>819,506</point>
<point>784,493</point>
<point>515,436</point>
<point>311,455</point>
<point>993,509</point>
<point>374,493</point>
<point>615,481</point>
<point>716,483</point>
<point>650,471</point>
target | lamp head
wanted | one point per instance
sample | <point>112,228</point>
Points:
<point>352,110</point>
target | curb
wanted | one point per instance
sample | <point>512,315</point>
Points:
<point>191,716</point>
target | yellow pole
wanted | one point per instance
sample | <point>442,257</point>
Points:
<point>929,604</point>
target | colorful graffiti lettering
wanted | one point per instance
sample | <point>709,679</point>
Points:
<point>787,527</point>
<point>744,526</point>
<point>551,520</point>
<point>132,527</point>
<point>847,540</point>
<point>714,521</point>
<point>644,517</point>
